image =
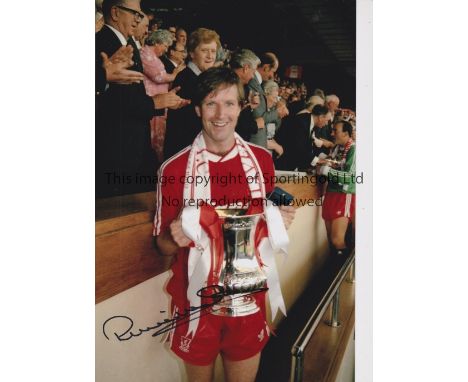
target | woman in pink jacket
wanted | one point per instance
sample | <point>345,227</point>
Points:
<point>157,81</point>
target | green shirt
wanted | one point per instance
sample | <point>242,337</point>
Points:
<point>343,179</point>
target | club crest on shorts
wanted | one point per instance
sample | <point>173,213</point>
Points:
<point>185,344</point>
<point>261,336</point>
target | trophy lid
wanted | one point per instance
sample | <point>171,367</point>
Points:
<point>224,212</point>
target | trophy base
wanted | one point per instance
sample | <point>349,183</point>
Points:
<point>236,306</point>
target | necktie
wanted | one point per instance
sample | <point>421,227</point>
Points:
<point>137,65</point>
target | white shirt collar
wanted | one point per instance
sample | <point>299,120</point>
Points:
<point>194,68</point>
<point>212,157</point>
<point>258,77</point>
<point>119,34</point>
<point>137,43</point>
<point>175,63</point>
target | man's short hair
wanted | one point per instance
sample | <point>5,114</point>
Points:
<point>107,6</point>
<point>332,98</point>
<point>319,110</point>
<point>314,100</point>
<point>268,58</point>
<point>213,79</point>
<point>347,127</point>
<point>180,29</point>
<point>161,36</point>
<point>320,93</point>
<point>242,57</point>
<point>202,36</point>
<point>174,45</point>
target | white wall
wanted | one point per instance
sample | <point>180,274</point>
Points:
<point>146,358</point>
<point>346,372</point>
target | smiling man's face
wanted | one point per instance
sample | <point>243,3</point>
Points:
<point>219,112</point>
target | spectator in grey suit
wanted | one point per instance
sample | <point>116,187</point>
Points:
<point>244,63</point>
<point>273,101</point>
<point>266,71</point>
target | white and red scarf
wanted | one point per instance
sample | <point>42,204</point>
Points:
<point>202,226</point>
<point>341,152</point>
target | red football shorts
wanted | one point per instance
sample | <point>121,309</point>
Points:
<point>338,204</point>
<point>236,338</point>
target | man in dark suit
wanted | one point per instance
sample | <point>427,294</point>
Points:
<point>169,66</point>
<point>174,57</point>
<point>124,159</point>
<point>302,139</point>
<point>244,63</point>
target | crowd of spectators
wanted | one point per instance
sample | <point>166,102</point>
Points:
<point>151,104</point>
<point>279,114</point>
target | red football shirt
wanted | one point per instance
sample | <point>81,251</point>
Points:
<point>228,183</point>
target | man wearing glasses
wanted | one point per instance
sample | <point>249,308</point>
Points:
<point>141,32</point>
<point>173,32</point>
<point>123,110</point>
<point>174,57</point>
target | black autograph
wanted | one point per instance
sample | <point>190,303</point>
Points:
<point>214,292</point>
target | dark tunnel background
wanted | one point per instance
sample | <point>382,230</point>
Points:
<point>319,35</point>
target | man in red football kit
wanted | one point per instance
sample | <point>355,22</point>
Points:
<point>340,198</point>
<point>219,168</point>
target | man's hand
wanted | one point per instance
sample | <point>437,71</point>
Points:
<point>169,241</point>
<point>322,169</point>
<point>178,234</point>
<point>287,213</point>
<point>179,68</point>
<point>115,68</point>
<point>123,55</point>
<point>273,145</point>
<point>170,100</point>
<point>328,144</point>
<point>99,24</point>
<point>260,122</point>
<point>282,109</point>
<point>254,99</point>
<point>318,142</point>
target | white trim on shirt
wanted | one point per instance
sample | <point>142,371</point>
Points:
<point>258,77</point>
<point>137,43</point>
<point>194,68</point>
<point>311,124</point>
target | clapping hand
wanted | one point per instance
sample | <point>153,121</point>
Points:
<point>254,99</point>
<point>170,100</point>
<point>116,67</point>
<point>282,109</point>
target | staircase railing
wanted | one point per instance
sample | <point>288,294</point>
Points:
<point>331,296</point>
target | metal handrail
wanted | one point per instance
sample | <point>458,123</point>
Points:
<point>297,350</point>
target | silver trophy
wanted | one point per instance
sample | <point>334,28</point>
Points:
<point>240,275</point>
